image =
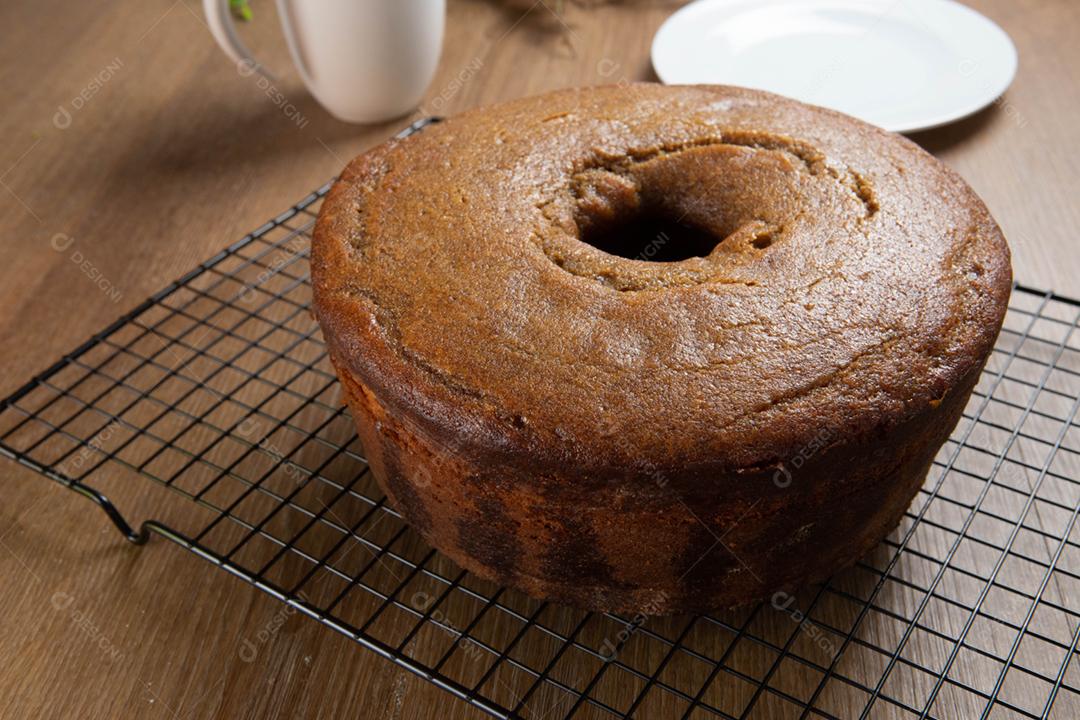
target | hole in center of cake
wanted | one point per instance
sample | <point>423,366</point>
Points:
<point>651,236</point>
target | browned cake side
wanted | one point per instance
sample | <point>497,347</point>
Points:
<point>625,434</point>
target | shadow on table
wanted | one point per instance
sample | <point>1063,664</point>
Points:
<point>261,131</point>
<point>956,134</point>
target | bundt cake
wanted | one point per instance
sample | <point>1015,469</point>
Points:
<point>655,349</point>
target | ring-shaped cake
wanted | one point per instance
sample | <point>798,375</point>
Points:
<point>655,349</point>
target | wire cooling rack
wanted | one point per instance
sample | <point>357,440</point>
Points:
<point>218,387</point>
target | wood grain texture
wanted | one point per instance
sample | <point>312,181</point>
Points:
<point>172,155</point>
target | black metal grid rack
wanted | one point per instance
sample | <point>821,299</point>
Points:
<point>218,388</point>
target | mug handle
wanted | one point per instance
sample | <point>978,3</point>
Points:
<point>220,21</point>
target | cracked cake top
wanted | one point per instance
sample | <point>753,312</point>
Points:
<point>704,274</point>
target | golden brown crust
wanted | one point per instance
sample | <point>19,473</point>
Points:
<point>587,404</point>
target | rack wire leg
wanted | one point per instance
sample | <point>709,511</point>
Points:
<point>136,538</point>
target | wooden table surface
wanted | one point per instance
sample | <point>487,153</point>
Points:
<point>129,138</point>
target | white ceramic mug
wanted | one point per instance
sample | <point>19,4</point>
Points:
<point>365,61</point>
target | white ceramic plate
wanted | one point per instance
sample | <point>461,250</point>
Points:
<point>902,64</point>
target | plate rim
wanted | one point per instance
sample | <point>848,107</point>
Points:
<point>993,92</point>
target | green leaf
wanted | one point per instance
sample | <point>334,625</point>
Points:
<point>240,9</point>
